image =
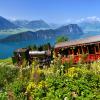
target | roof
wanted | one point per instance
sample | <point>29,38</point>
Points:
<point>84,41</point>
<point>21,50</point>
<point>37,52</point>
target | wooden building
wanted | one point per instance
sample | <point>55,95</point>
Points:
<point>86,50</point>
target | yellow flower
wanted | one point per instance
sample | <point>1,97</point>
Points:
<point>71,72</point>
<point>31,86</point>
<point>42,84</point>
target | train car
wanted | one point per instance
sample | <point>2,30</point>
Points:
<point>24,54</point>
<point>20,55</point>
<point>42,57</point>
<point>85,50</point>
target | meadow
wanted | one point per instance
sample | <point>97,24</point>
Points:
<point>55,82</point>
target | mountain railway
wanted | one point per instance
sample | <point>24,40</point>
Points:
<point>84,50</point>
<point>26,55</point>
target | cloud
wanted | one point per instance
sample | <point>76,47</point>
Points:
<point>93,18</point>
<point>68,20</point>
<point>88,19</point>
<point>13,18</point>
<point>80,20</point>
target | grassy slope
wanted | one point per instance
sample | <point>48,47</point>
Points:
<point>6,61</point>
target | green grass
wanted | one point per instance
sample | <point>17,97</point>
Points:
<point>6,61</point>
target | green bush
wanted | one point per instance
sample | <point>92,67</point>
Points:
<point>7,74</point>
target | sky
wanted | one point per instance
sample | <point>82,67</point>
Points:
<point>52,11</point>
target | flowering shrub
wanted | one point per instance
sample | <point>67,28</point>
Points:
<point>58,82</point>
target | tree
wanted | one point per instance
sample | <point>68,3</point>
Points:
<point>46,46</point>
<point>61,39</point>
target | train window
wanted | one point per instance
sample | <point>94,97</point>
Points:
<point>75,51</point>
<point>91,49</point>
<point>97,49</point>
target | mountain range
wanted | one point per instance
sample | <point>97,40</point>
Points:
<point>35,24</point>
<point>85,27</point>
<point>20,23</point>
<point>90,26</point>
<point>90,23</point>
<point>72,31</point>
<point>87,24</point>
<point>6,24</point>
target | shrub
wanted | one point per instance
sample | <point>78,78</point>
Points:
<point>7,74</point>
<point>60,81</point>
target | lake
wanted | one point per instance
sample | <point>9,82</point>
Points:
<point>6,49</point>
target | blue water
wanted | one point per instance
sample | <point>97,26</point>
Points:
<point>89,34</point>
<point>6,49</point>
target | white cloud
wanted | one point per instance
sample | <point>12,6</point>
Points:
<point>93,18</point>
<point>80,20</point>
<point>88,19</point>
<point>68,20</point>
<point>13,18</point>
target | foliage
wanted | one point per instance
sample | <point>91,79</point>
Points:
<point>58,82</point>
<point>7,74</point>
<point>3,95</point>
<point>41,47</point>
<point>61,39</point>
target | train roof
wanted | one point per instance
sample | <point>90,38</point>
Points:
<point>37,52</point>
<point>21,50</point>
<point>84,41</point>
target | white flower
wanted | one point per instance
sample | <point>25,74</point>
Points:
<point>66,98</point>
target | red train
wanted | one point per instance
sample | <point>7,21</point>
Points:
<point>85,50</point>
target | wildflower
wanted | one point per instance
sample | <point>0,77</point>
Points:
<point>74,94</point>
<point>66,98</point>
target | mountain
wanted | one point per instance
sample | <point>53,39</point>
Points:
<point>20,23</point>
<point>54,26</point>
<point>90,26</point>
<point>69,29</point>
<point>37,24</point>
<point>90,23</point>
<point>6,24</point>
<point>29,35</point>
<point>73,31</point>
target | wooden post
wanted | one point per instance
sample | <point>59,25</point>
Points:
<point>69,52</point>
<point>94,49</point>
<point>72,51</point>
<point>82,50</point>
<point>56,51</point>
<point>78,50</point>
<point>87,49</point>
<point>98,48</point>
